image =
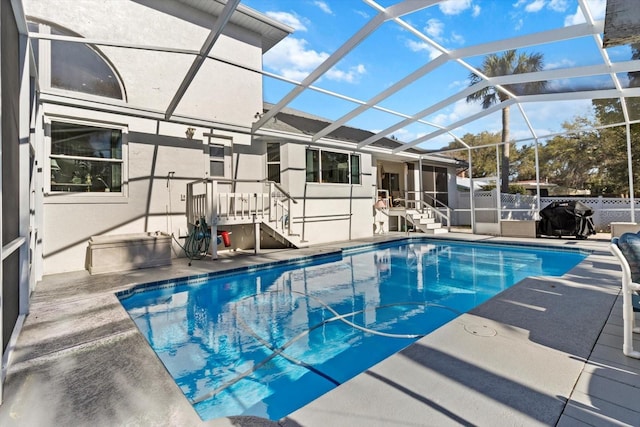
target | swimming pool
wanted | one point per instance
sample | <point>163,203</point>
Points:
<point>267,341</point>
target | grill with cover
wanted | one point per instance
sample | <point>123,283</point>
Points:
<point>566,219</point>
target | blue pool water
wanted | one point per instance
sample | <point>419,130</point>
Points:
<point>266,341</point>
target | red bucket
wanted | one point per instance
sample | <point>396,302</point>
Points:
<point>225,238</point>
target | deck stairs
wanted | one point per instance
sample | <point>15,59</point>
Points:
<point>265,205</point>
<point>279,231</point>
<point>424,221</point>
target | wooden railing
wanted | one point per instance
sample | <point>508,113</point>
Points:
<point>265,201</point>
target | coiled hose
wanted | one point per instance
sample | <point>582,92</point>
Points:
<point>197,244</point>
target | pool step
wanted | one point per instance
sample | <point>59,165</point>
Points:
<point>424,222</point>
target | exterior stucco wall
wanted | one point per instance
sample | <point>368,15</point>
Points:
<point>219,92</point>
<point>149,202</point>
<point>332,212</point>
<point>152,148</point>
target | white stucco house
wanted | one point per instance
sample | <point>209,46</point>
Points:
<point>138,116</point>
<point>115,147</point>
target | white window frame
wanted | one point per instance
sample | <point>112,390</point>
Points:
<point>217,160</point>
<point>44,70</point>
<point>279,162</point>
<point>226,142</point>
<point>85,197</point>
<point>350,154</point>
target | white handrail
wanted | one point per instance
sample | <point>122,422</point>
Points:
<point>269,203</point>
<point>628,288</point>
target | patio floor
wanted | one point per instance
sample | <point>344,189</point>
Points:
<point>546,351</point>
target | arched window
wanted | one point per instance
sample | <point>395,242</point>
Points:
<point>77,67</point>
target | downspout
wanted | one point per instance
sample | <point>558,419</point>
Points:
<point>630,168</point>
<point>350,207</point>
<point>498,185</point>
<point>304,213</point>
<point>420,185</point>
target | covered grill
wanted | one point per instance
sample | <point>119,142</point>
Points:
<point>566,219</point>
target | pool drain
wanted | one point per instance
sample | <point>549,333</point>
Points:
<point>481,330</point>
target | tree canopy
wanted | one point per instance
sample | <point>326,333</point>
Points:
<point>589,156</point>
<point>594,160</point>
<point>508,63</point>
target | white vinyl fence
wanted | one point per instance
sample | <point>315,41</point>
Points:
<point>522,207</point>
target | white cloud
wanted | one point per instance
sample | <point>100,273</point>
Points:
<point>416,46</point>
<point>476,11</point>
<point>323,7</point>
<point>454,7</point>
<point>457,38</point>
<point>294,60</point>
<point>563,63</point>
<point>550,115</point>
<point>404,135</point>
<point>597,8</point>
<point>458,84</point>
<point>519,24</point>
<point>535,6</point>
<point>545,117</point>
<point>434,28</point>
<point>350,76</point>
<point>558,5</point>
<point>363,14</point>
<point>458,111</point>
<point>288,19</point>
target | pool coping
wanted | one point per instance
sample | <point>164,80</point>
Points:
<point>201,278</point>
<point>312,260</point>
<point>80,359</point>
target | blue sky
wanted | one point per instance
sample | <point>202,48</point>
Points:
<point>392,52</point>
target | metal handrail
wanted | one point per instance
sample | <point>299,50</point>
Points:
<point>443,205</point>
<point>275,184</point>
<point>442,216</point>
<point>435,207</point>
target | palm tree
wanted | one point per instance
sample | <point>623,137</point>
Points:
<point>508,63</point>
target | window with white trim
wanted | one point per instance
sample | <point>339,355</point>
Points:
<point>273,161</point>
<point>76,67</point>
<point>216,160</point>
<point>355,168</point>
<point>332,167</point>
<point>85,158</point>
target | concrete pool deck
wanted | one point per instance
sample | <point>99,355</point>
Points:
<point>546,351</point>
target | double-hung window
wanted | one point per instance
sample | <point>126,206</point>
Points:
<point>332,167</point>
<point>216,159</point>
<point>273,161</point>
<point>85,158</point>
